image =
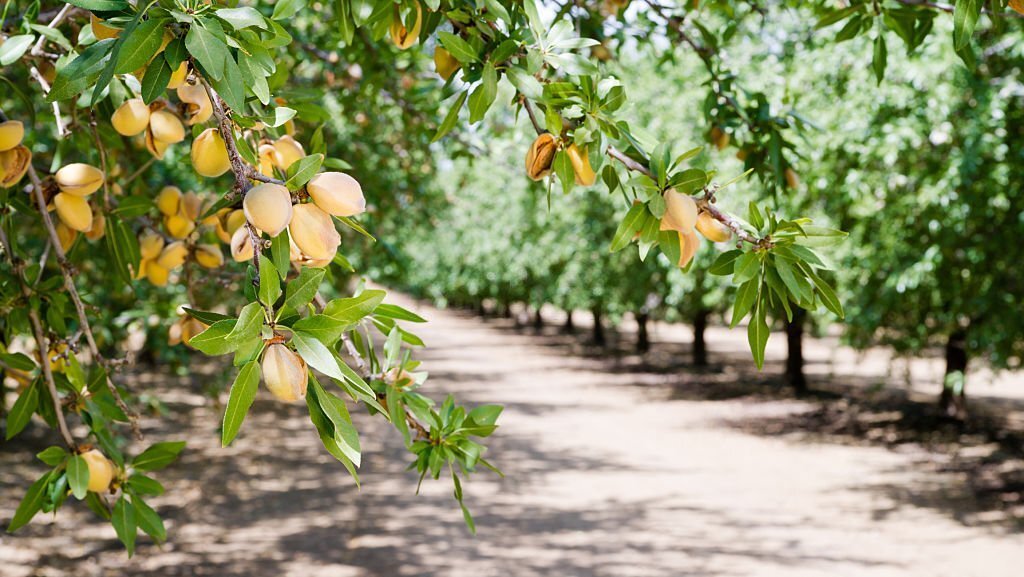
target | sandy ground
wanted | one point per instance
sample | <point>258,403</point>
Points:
<point>609,472</point>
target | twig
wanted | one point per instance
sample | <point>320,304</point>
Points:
<point>38,48</point>
<point>42,344</point>
<point>69,285</point>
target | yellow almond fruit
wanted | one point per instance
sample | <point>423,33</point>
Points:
<point>100,30</point>
<point>191,206</point>
<point>680,212</point>
<point>98,228</point>
<point>337,194</point>
<point>209,155</point>
<point>241,245</point>
<point>168,200</point>
<point>79,179</point>
<point>156,147</point>
<point>284,372</point>
<point>150,245</point>
<point>131,118</point>
<point>198,103</point>
<point>184,329</point>
<point>712,229</point>
<point>540,155</point>
<point>178,76</point>
<point>268,207</point>
<point>74,211</point>
<point>267,154</point>
<point>11,134</point>
<point>156,274</point>
<point>445,63</point>
<point>313,232</point>
<point>166,127</point>
<point>14,164</point>
<point>585,175</point>
<point>101,471</point>
<point>66,236</point>
<point>792,179</point>
<point>178,226</point>
<point>173,255</point>
<point>403,36</point>
<point>227,225</point>
<point>689,242</point>
<point>209,256</point>
<point>287,151</point>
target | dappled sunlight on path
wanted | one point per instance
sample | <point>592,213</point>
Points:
<point>606,475</point>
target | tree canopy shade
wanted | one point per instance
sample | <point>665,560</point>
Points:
<point>291,111</point>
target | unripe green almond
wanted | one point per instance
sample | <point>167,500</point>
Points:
<point>268,207</point>
<point>337,194</point>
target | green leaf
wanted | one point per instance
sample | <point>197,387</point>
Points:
<point>746,267</point>
<point>725,263</point>
<point>630,225</point>
<point>158,456</point>
<point>81,72</point>
<point>326,329</point>
<point>78,476</point>
<point>250,320</point>
<point>345,433</point>
<point>101,5</point>
<point>562,165</point>
<point>139,47</point>
<point>155,82</point>
<point>965,19</point>
<point>14,48</point>
<point>757,335</point>
<point>30,504</point>
<point>280,254</point>
<point>459,48</point>
<point>206,316</point>
<point>745,297</point>
<point>398,313</point>
<point>52,456</point>
<point>879,58</point>
<point>149,521</point>
<point>243,392</point>
<point>270,282</point>
<point>352,310</point>
<point>300,291</point>
<point>302,170</point>
<point>827,294</point>
<point>242,17</point>
<point>18,361</point>
<point>213,341</point>
<point>209,50</point>
<point>285,9</point>
<point>144,485</point>
<point>451,118</point>
<point>123,520</point>
<point>316,354</point>
<point>483,97</point>
<point>23,409</point>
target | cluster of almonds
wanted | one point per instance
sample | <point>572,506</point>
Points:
<point>542,153</point>
<point>682,215</point>
<point>77,182</point>
<point>313,238</point>
<point>14,157</point>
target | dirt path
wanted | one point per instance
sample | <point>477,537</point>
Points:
<point>605,476</point>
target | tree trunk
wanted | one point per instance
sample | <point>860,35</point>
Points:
<point>481,310</point>
<point>598,327</point>
<point>568,327</point>
<point>953,403</point>
<point>538,319</point>
<point>700,347</point>
<point>795,359</point>
<point>643,341</point>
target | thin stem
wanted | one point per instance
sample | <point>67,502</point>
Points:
<point>42,344</point>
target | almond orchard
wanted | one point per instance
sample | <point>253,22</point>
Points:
<point>230,179</point>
